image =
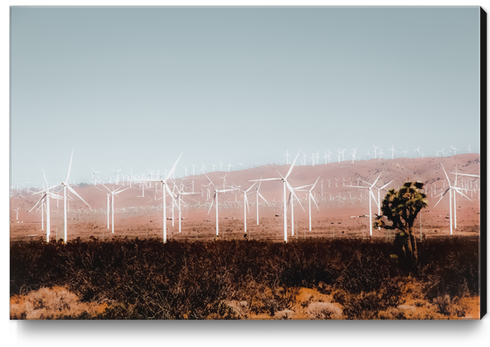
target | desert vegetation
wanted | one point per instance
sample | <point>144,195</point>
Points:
<point>304,279</point>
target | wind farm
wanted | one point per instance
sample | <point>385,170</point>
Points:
<point>207,163</point>
<point>342,208</point>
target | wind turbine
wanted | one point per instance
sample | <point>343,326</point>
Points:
<point>45,200</point>
<point>285,183</point>
<point>379,196</point>
<point>371,195</point>
<point>180,192</point>
<point>392,149</point>
<point>116,180</point>
<point>311,198</point>
<point>418,150</point>
<point>342,152</point>
<point>291,203</point>
<point>215,198</point>
<point>165,188</point>
<point>469,148</point>
<point>354,155</point>
<point>287,157</point>
<point>450,189</point>
<point>93,175</point>
<point>66,188</point>
<point>112,193</point>
<point>453,149</point>
<point>375,148</point>
<point>245,205</point>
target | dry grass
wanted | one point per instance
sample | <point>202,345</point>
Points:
<point>52,303</point>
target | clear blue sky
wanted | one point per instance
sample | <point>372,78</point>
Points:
<point>134,87</point>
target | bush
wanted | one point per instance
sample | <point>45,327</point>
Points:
<point>324,310</point>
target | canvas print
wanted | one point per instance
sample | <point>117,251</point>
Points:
<point>246,163</point>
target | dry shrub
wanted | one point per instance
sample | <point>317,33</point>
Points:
<point>52,303</point>
<point>284,314</point>
<point>392,313</point>
<point>450,307</point>
<point>324,310</point>
<point>226,310</point>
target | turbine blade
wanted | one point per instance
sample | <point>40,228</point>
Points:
<point>376,180</point>
<point>312,198</point>
<point>44,176</point>
<point>173,167</point>
<point>294,194</point>
<point>212,201</point>
<point>120,191</point>
<point>387,184</point>
<point>315,183</point>
<point>210,181</point>
<point>37,203</point>
<point>460,192</point>
<point>69,167</point>
<point>45,190</point>
<point>292,165</point>
<point>110,191</point>
<point>264,199</point>
<point>442,195</point>
<point>371,193</point>
<point>74,192</point>
<point>250,187</point>
<point>448,180</point>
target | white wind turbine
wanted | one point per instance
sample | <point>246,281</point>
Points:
<point>453,149</point>
<point>285,183</point>
<point>287,157</point>
<point>392,149</point>
<point>180,192</point>
<point>371,196</point>
<point>113,194</point>
<point>379,195</point>
<point>418,150</point>
<point>165,188</point>
<point>245,205</point>
<point>291,198</point>
<point>66,188</point>
<point>215,198</point>
<point>311,198</point>
<point>353,155</point>
<point>116,178</point>
<point>469,148</point>
<point>452,190</point>
<point>342,152</point>
<point>94,173</point>
<point>375,148</point>
<point>45,200</point>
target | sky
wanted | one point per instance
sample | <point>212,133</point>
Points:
<point>132,88</point>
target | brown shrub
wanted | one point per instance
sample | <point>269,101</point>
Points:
<point>52,303</point>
